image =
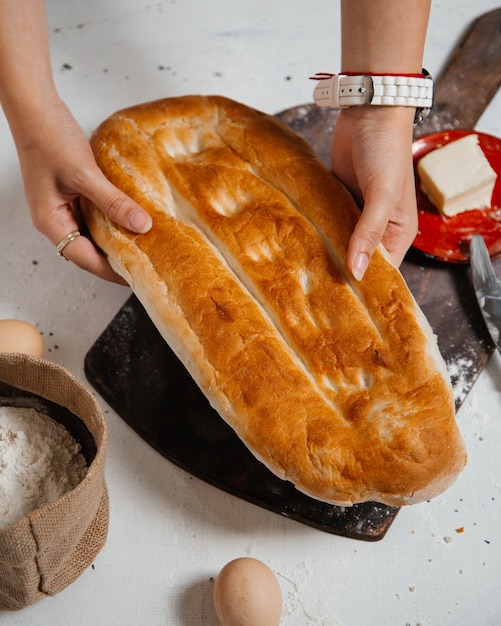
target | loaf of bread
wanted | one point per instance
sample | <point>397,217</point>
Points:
<point>335,385</point>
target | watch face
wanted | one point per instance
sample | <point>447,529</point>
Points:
<point>448,238</point>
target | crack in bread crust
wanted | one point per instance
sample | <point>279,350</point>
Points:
<point>335,385</point>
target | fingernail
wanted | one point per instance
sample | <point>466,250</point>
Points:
<point>139,221</point>
<point>360,265</point>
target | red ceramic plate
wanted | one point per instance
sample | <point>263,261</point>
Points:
<point>448,238</point>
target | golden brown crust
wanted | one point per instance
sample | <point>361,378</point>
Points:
<point>335,385</point>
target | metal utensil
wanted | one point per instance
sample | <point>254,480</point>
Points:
<point>487,287</point>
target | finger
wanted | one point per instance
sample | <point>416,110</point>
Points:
<point>363,242</point>
<point>398,238</point>
<point>81,252</point>
<point>117,206</point>
<point>58,224</point>
<point>375,228</point>
<point>401,231</point>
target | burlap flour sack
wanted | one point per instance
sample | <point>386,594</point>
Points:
<point>49,548</point>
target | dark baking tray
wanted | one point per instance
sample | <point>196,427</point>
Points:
<point>135,371</point>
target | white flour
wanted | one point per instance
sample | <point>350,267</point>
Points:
<point>39,462</point>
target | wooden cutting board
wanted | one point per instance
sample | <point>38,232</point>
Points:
<point>137,374</point>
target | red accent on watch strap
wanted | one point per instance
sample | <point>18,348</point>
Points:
<point>325,75</point>
<point>322,76</point>
<point>418,75</point>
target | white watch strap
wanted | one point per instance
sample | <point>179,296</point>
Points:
<point>340,91</point>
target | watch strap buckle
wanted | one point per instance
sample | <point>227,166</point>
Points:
<point>339,92</point>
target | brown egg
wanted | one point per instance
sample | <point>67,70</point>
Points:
<point>19,336</point>
<point>247,593</point>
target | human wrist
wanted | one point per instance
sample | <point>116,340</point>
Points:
<point>25,114</point>
<point>353,88</point>
<point>27,99</point>
<point>374,120</point>
<point>402,116</point>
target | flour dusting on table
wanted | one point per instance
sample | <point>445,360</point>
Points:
<point>460,371</point>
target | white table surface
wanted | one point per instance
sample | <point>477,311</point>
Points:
<point>171,533</point>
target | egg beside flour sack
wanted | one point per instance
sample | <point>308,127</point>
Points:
<point>21,337</point>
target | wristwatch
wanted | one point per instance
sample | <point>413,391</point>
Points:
<point>340,91</point>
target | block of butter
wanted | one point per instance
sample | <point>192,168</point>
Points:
<point>457,177</point>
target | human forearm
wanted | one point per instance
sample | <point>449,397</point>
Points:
<point>26,82</point>
<point>56,160</point>
<point>383,36</point>
<point>372,145</point>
